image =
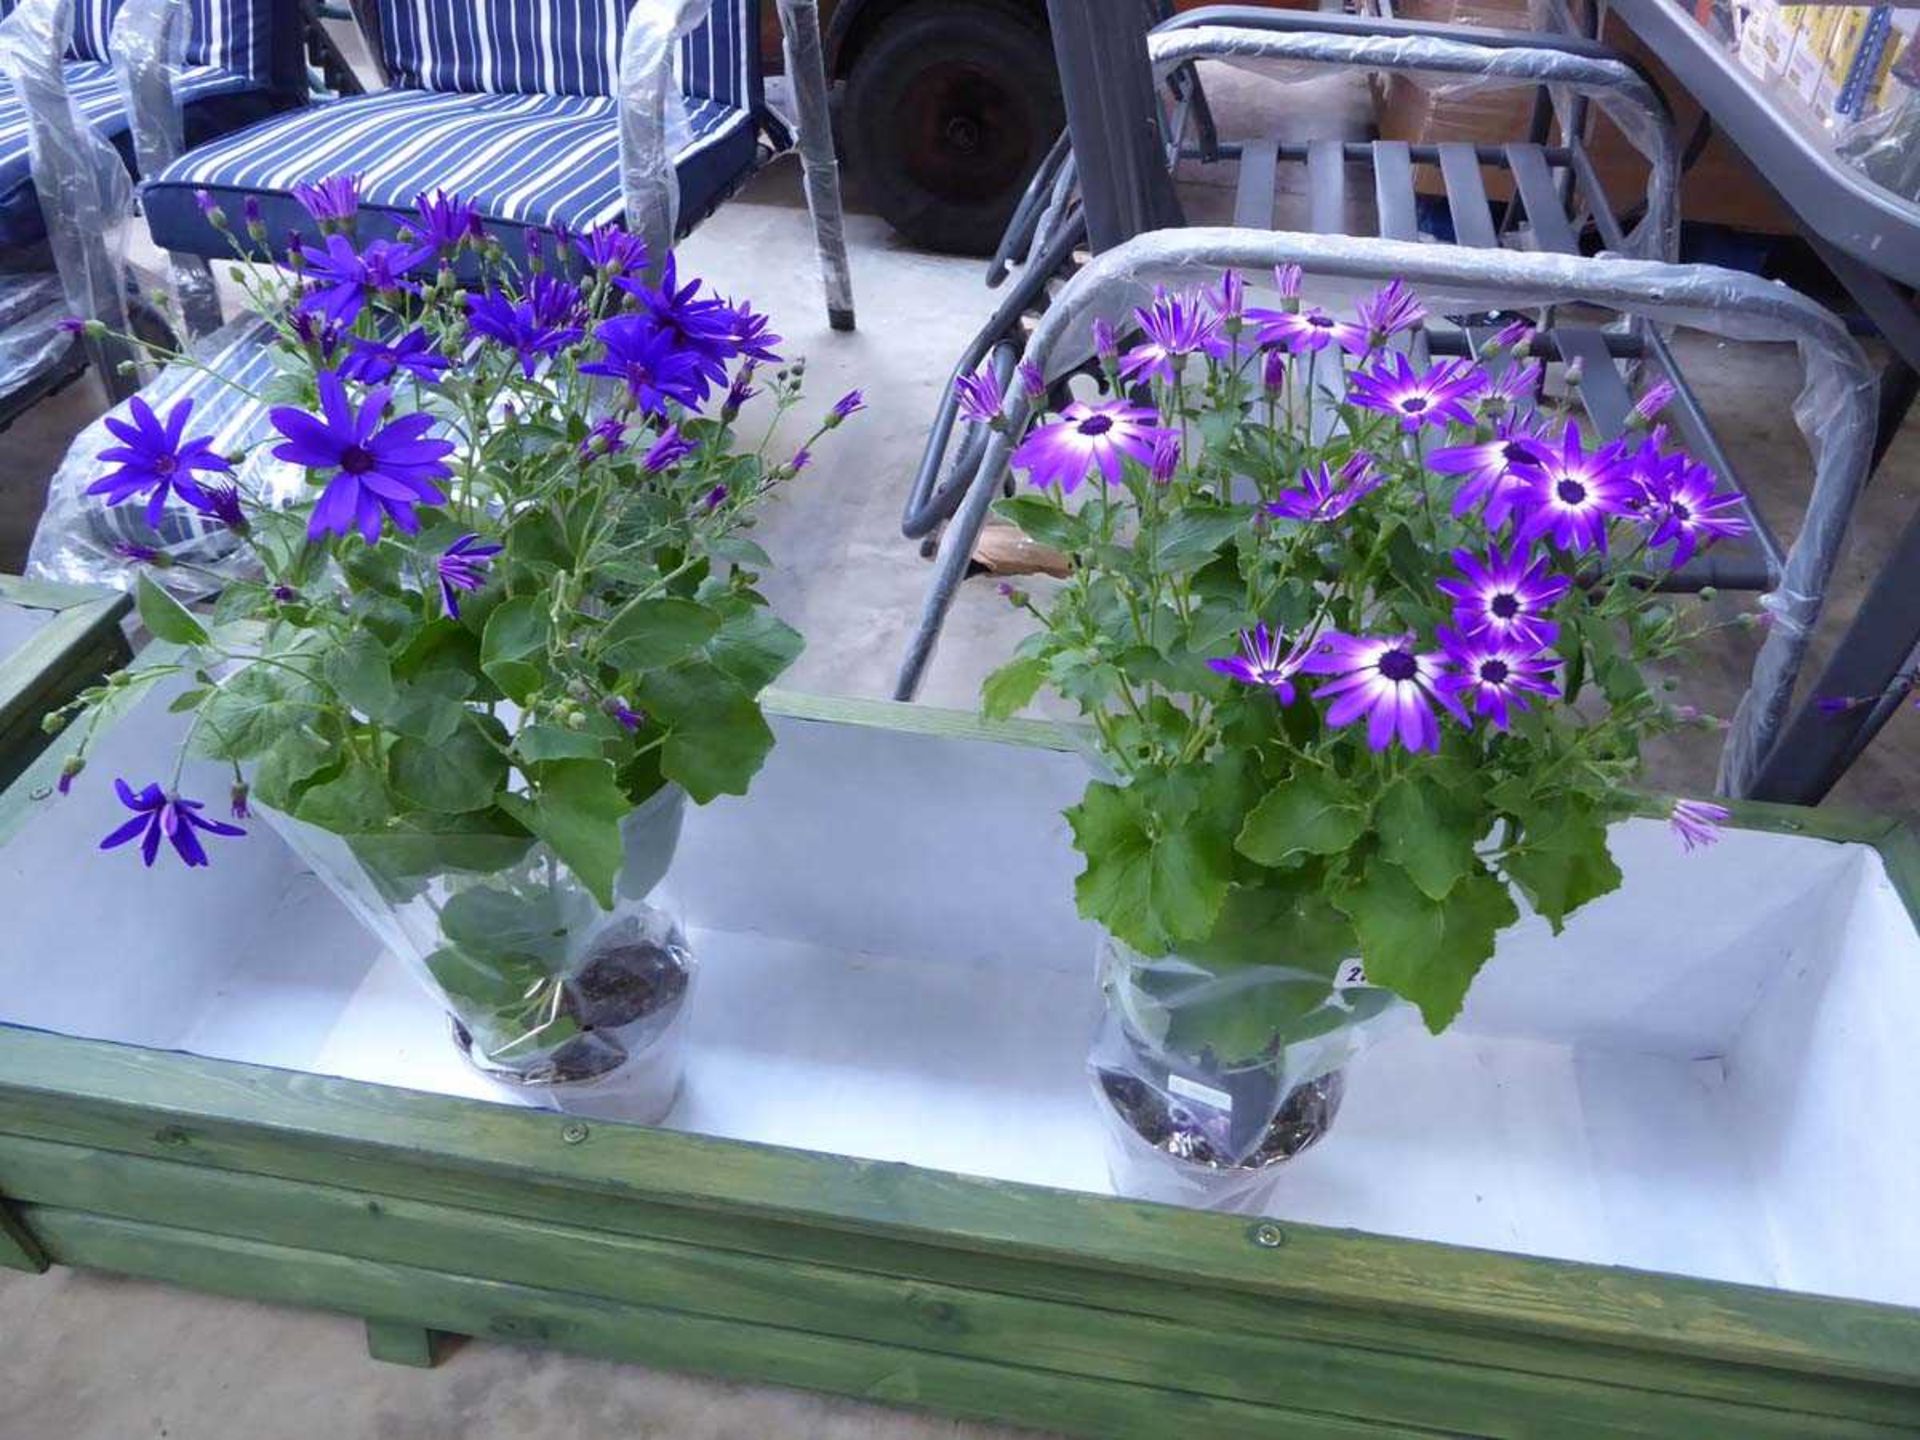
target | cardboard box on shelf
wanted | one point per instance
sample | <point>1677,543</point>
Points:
<point>1720,188</point>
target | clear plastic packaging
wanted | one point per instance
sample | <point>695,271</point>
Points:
<point>1208,1079</point>
<point>574,1007</point>
<point>32,305</point>
<point>807,83</point>
<point>1886,147</point>
<point>654,126</point>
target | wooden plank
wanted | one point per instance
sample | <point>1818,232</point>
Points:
<point>398,1343</point>
<point>1254,186</point>
<point>75,646</point>
<point>18,1249</point>
<point>1327,187</point>
<point>1251,1365</point>
<point>433,1147</point>
<point>1393,190</point>
<point>491,1310</point>
<point>905,717</point>
<point>1467,196</point>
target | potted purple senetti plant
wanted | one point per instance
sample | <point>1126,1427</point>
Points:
<point>498,630</point>
<point>1357,693</point>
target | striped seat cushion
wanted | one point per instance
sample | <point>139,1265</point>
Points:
<point>96,95</point>
<point>235,35</point>
<point>524,160</point>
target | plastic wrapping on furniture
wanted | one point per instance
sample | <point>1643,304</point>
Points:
<point>1834,411</point>
<point>807,83</point>
<point>653,118</point>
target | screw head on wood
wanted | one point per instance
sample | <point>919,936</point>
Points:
<point>1270,1237</point>
<point>574,1133</point>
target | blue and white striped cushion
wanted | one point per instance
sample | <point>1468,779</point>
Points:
<point>232,34</point>
<point>557,47</point>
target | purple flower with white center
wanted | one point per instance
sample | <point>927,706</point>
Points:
<point>1502,595</point>
<point>1264,661</point>
<point>380,471</point>
<point>1389,311</point>
<point>159,816</point>
<point>1229,298</point>
<point>1175,328</point>
<point>656,369</point>
<point>1436,396</point>
<point>1652,401</point>
<point>1286,279</point>
<point>1273,370</point>
<point>1306,331</point>
<point>1499,472</point>
<point>1386,680</point>
<point>373,362</point>
<point>221,501</point>
<point>851,403</point>
<point>343,280</point>
<point>979,396</point>
<point>1495,675</point>
<point>1033,382</point>
<point>463,566</point>
<point>1166,458</point>
<point>614,250</point>
<point>546,322</point>
<point>446,222</point>
<point>604,437</point>
<point>155,459</point>
<point>1684,510</point>
<point>1323,496</point>
<point>1697,822</point>
<point>1103,434</point>
<point>333,201</point>
<point>1575,493</point>
<point>669,450</point>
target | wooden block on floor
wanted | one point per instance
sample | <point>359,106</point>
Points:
<point>398,1343</point>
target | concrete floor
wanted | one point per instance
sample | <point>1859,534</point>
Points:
<point>92,1358</point>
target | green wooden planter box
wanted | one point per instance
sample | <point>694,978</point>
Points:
<point>55,640</point>
<point>1070,1311</point>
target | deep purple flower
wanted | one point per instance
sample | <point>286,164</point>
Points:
<point>1697,822</point>
<point>1175,328</point>
<point>463,566</point>
<point>1106,345</point>
<point>802,458</point>
<point>1502,595</point>
<point>157,816</point>
<point>1102,434</point>
<point>155,459</point>
<point>1302,331</point>
<point>544,323</point>
<point>980,396</point>
<point>1263,662</point>
<point>650,362</point>
<point>1652,401</point>
<point>1499,472</point>
<point>446,222</point>
<point>1165,463</point>
<point>1286,279</point>
<point>321,337</point>
<point>604,437</point>
<point>1834,706</point>
<point>614,250</point>
<point>1321,495</point>
<point>714,498</point>
<point>1033,382</point>
<point>1273,370</point>
<point>851,403</point>
<point>71,325</point>
<point>1510,388</point>
<point>221,501</point>
<point>750,336</point>
<point>739,392</point>
<point>251,213</point>
<point>1390,310</point>
<point>69,772</point>
<point>343,280</point>
<point>1684,510</point>
<point>208,206</point>
<point>1387,680</point>
<point>1228,299</point>
<point>133,552</point>
<point>1573,496</point>
<point>629,717</point>
<point>1436,396</point>
<point>669,450</point>
<point>703,326</point>
<point>373,362</point>
<point>1495,673</point>
<point>1514,335</point>
<point>334,200</point>
<point>381,471</point>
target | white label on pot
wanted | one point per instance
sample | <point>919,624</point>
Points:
<point>1200,1094</point>
<point>1351,973</point>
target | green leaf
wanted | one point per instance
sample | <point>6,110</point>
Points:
<point>1423,950</point>
<point>1563,861</point>
<point>554,742</point>
<point>1011,688</point>
<point>361,674</point>
<point>294,758</point>
<point>1154,880</point>
<point>717,738</point>
<point>165,616</point>
<point>652,634</point>
<point>420,844</point>
<point>515,630</point>
<point>755,646</point>
<point>1039,518</point>
<point>430,708</point>
<point>254,707</point>
<point>1192,535</point>
<point>189,700</point>
<point>576,807</point>
<point>351,803</point>
<point>497,922</point>
<point>1428,833</point>
<point>1284,920</point>
<point>1307,814</point>
<point>463,772</point>
<point>492,982</point>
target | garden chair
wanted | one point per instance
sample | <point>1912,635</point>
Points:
<point>1476,277</point>
<point>557,113</point>
<point>68,133</point>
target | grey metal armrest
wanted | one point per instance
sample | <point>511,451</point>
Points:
<point>1838,401</point>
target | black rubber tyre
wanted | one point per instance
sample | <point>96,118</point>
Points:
<point>950,107</point>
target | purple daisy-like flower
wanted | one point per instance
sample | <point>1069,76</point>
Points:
<point>380,471</point>
<point>1175,328</point>
<point>155,459</point>
<point>1389,311</point>
<point>342,279</point>
<point>463,565</point>
<point>373,362</point>
<point>1681,505</point>
<point>1104,435</point>
<point>446,222</point>
<point>332,201</point>
<point>614,250</point>
<point>1263,661</point>
<point>1436,396</point>
<point>543,323</point>
<point>1652,401</point>
<point>1499,472</point>
<point>1322,495</point>
<point>851,403</point>
<point>1495,674</point>
<point>669,450</point>
<point>656,369</point>
<point>604,437</point>
<point>1573,496</point>
<point>220,500</point>
<point>1387,681</point>
<point>706,327</point>
<point>980,397</point>
<point>1305,331</point>
<point>1511,388</point>
<point>1503,595</point>
<point>751,336</point>
<point>159,816</point>
<point>1697,822</point>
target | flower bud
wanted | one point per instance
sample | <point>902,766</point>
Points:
<point>68,772</point>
